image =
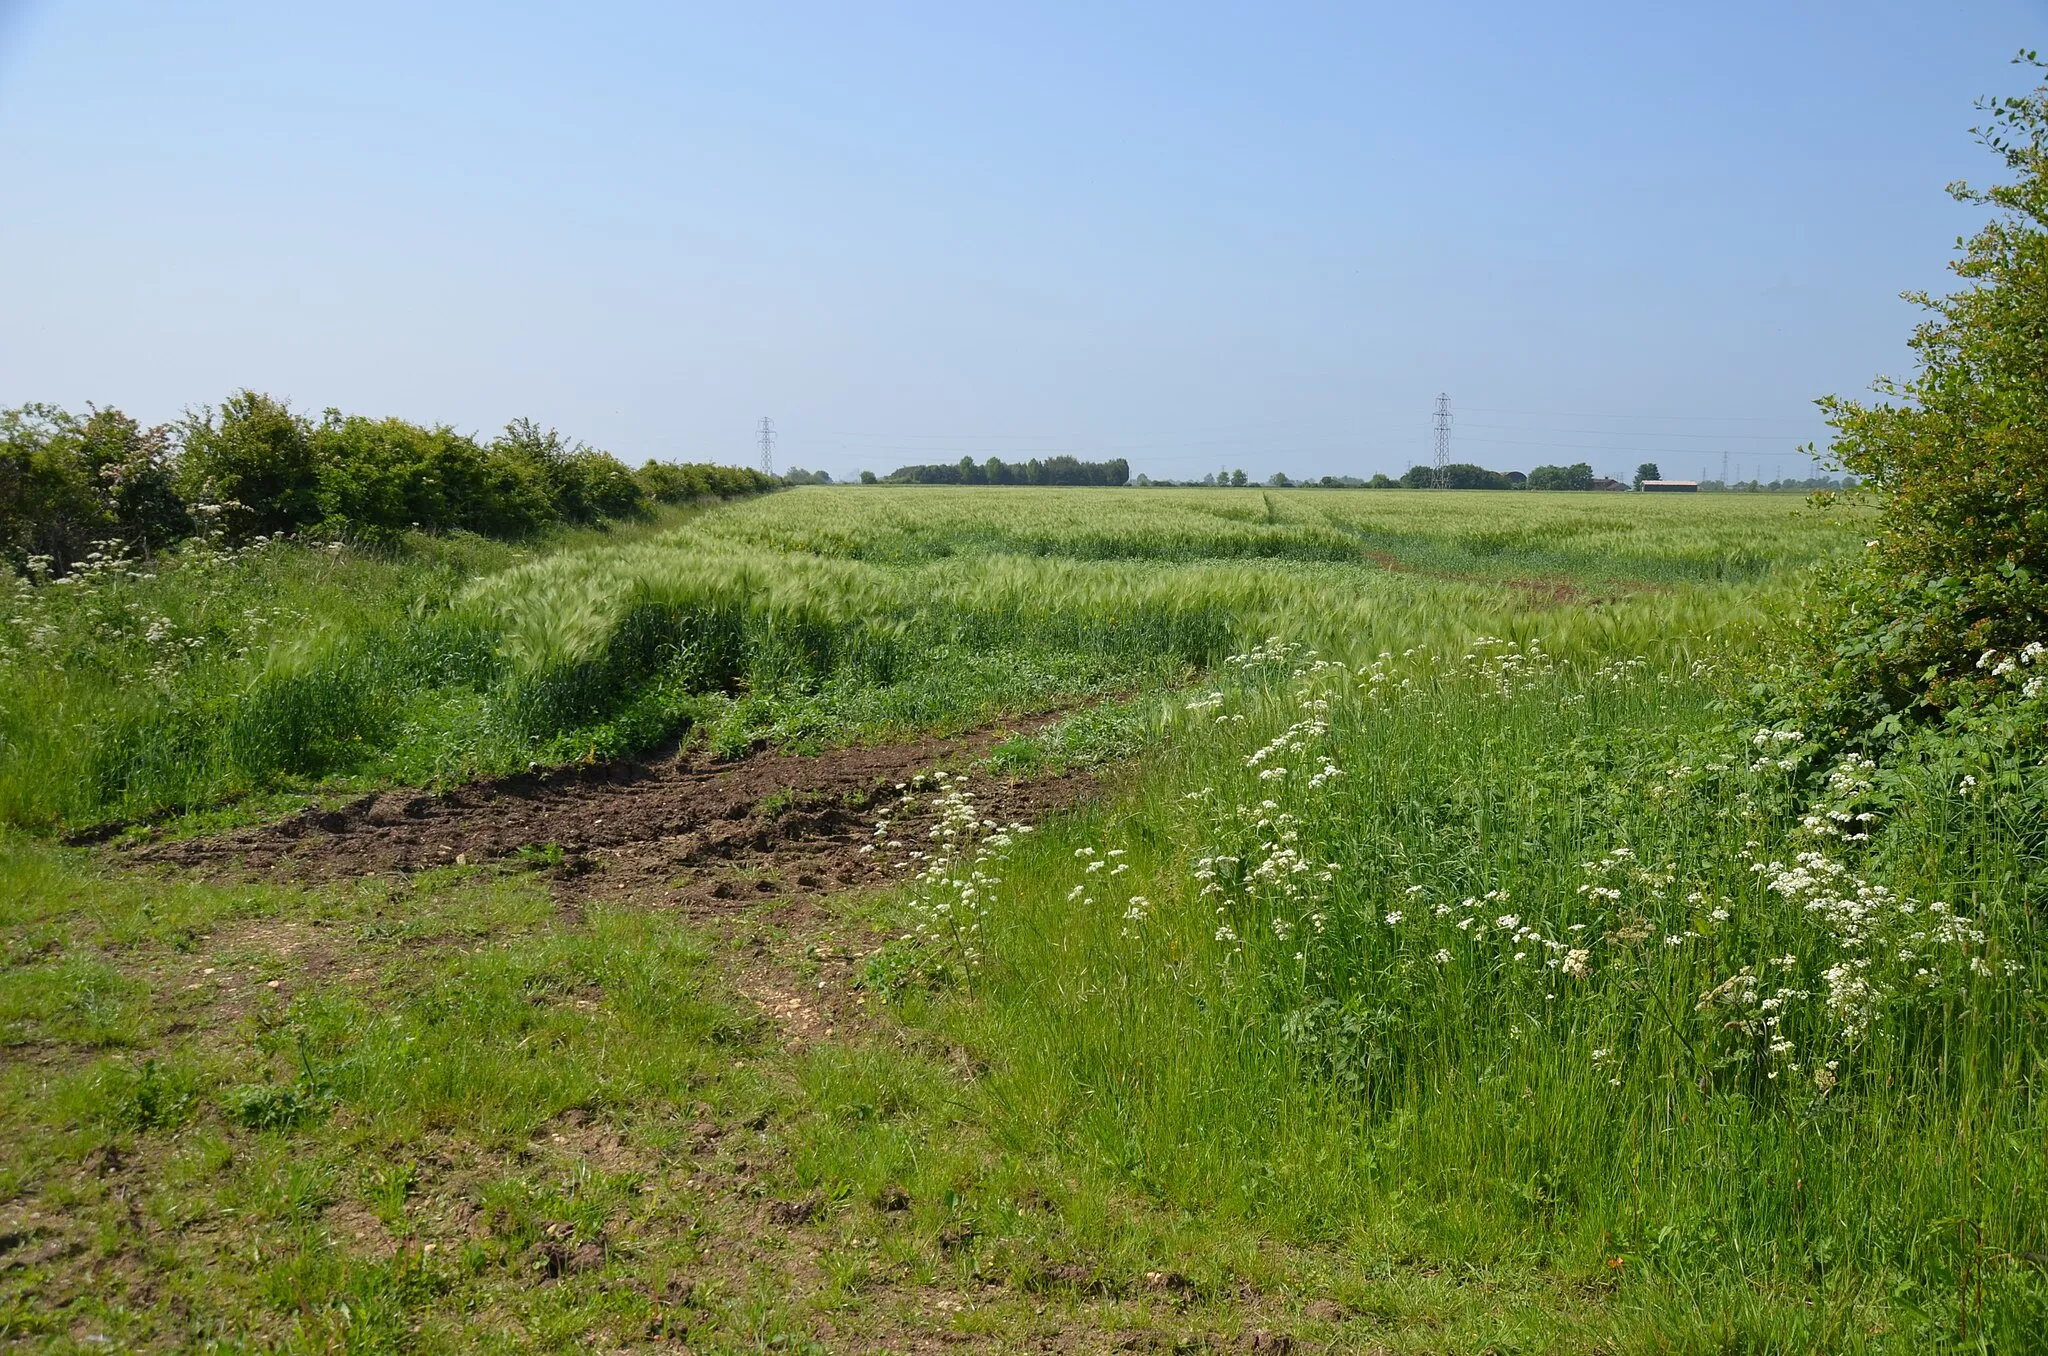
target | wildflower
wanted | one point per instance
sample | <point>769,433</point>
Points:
<point>1394,917</point>
<point>1578,962</point>
<point>1443,956</point>
<point>1225,933</point>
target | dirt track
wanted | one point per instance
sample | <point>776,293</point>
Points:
<point>704,834</point>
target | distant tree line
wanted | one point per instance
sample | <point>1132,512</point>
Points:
<point>1060,470</point>
<point>1465,476</point>
<point>256,467</point>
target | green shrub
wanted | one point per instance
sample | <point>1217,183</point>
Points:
<point>68,486</point>
<point>381,477</point>
<point>587,486</point>
<point>1936,618</point>
<point>667,482</point>
<point>48,509</point>
<point>252,465</point>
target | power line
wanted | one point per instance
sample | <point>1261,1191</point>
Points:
<point>1605,447</point>
<point>1646,433</point>
<point>1584,414</point>
<point>767,445</point>
<point>1210,432</point>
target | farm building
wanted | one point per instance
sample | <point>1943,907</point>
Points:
<point>1609,483</point>
<point>1672,486</point>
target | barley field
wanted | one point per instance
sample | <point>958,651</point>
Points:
<point>1438,952</point>
<point>134,689</point>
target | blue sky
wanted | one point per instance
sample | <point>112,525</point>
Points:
<point>1190,235</point>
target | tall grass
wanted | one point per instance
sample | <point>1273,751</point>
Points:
<point>1481,952</point>
<point>131,691</point>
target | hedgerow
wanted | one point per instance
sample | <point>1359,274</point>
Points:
<point>255,468</point>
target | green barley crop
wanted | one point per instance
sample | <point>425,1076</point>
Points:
<point>135,691</point>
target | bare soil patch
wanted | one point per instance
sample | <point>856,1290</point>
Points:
<point>710,837</point>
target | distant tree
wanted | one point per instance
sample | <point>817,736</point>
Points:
<point>1381,481</point>
<point>1237,477</point>
<point>1647,471</point>
<point>1280,480</point>
<point>1061,470</point>
<point>1577,476</point>
<point>870,478</point>
<point>1456,476</point>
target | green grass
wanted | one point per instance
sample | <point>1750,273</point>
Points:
<point>138,691</point>
<point>1326,1050</point>
<point>1528,1028</point>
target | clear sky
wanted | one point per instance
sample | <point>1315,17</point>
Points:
<point>1193,235</point>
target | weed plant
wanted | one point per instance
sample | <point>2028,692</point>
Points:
<point>1489,954</point>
